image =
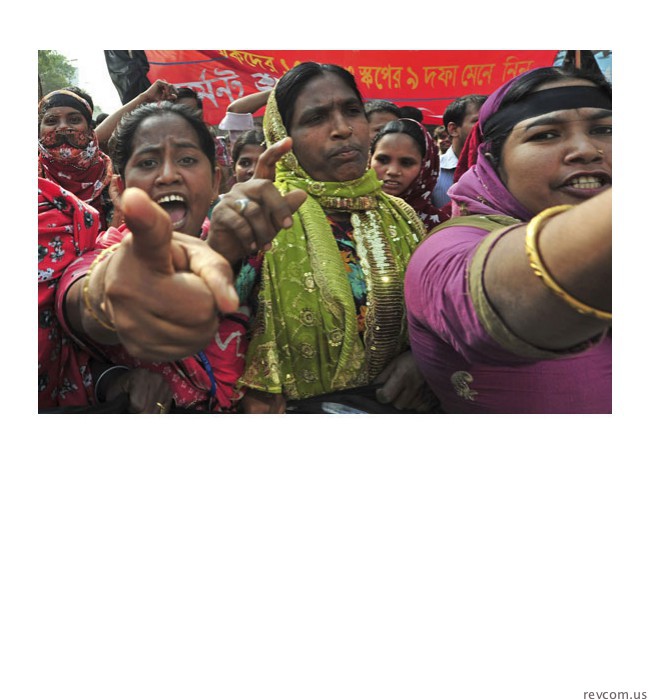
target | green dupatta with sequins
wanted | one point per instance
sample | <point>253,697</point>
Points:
<point>305,338</point>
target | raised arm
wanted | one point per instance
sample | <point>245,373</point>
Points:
<point>249,104</point>
<point>575,248</point>
<point>160,90</point>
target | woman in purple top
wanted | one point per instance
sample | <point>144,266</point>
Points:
<point>509,302</point>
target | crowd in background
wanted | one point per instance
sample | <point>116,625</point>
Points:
<point>331,255</point>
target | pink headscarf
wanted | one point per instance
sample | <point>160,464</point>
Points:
<point>480,189</point>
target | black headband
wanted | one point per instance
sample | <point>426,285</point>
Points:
<point>66,98</point>
<point>545,101</point>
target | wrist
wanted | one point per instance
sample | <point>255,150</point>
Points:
<point>93,293</point>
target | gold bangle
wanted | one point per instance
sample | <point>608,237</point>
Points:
<point>532,235</point>
<point>86,287</point>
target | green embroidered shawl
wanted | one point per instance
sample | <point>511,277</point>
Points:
<point>305,338</point>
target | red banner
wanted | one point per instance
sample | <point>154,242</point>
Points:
<point>429,80</point>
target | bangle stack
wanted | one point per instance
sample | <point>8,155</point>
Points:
<point>532,250</point>
<point>86,288</point>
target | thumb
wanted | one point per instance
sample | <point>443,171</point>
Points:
<point>151,228</point>
<point>265,168</point>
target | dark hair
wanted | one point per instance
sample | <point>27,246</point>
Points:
<point>495,138</point>
<point>439,131</point>
<point>401,126</point>
<point>184,92</point>
<point>253,137</point>
<point>456,110</point>
<point>409,112</point>
<point>120,144</point>
<point>292,83</point>
<point>372,106</point>
<point>100,118</point>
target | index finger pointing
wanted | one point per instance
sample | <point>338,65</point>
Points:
<point>265,168</point>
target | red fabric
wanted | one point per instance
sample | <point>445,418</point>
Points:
<point>446,211</point>
<point>188,379</point>
<point>76,164</point>
<point>66,228</point>
<point>469,154</point>
<point>428,80</point>
<point>419,192</point>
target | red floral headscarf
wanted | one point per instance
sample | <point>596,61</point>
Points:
<point>418,194</point>
<point>73,159</point>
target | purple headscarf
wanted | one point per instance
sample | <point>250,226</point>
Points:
<point>480,190</point>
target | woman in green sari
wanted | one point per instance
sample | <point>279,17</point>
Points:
<point>328,289</point>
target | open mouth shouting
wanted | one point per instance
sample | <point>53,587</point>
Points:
<point>176,207</point>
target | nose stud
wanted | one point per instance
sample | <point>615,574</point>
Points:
<point>600,153</point>
<point>351,129</point>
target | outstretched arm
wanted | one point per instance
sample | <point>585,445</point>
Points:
<point>159,293</point>
<point>576,249</point>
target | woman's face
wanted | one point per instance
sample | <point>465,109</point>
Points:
<point>62,119</point>
<point>330,130</point>
<point>562,157</point>
<point>168,164</point>
<point>245,165</point>
<point>397,161</point>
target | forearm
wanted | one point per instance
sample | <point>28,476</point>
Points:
<point>105,130</point>
<point>249,104</point>
<point>83,307</point>
<point>576,249</point>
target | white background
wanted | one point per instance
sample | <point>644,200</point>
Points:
<point>443,557</point>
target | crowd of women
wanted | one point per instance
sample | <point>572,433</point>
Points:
<point>317,276</point>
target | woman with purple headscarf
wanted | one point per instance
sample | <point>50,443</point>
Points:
<point>509,302</point>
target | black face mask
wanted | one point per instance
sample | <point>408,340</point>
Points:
<point>66,137</point>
